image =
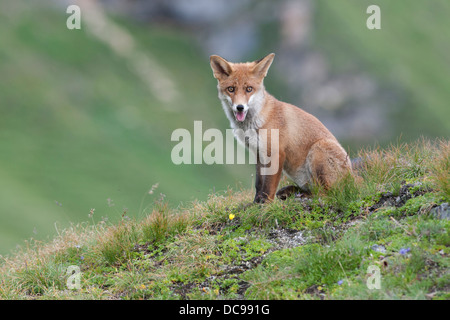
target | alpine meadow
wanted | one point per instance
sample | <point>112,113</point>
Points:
<point>120,178</point>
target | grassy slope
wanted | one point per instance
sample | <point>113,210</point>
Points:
<point>78,127</point>
<point>302,248</point>
<point>57,126</point>
<point>73,115</point>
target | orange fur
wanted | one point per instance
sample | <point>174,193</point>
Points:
<point>306,151</point>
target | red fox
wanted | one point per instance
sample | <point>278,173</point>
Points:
<point>305,151</point>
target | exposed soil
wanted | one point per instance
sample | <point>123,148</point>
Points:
<point>388,199</point>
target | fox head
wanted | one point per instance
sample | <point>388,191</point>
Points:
<point>240,85</point>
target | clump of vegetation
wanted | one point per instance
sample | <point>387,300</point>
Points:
<point>321,246</point>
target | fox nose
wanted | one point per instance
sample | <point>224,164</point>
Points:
<point>240,108</point>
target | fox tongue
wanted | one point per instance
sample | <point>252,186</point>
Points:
<point>240,116</point>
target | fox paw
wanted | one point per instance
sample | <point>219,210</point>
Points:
<point>288,191</point>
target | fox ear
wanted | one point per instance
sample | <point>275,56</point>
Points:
<point>263,65</point>
<point>221,67</point>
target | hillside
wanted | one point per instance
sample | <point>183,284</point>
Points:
<point>80,125</point>
<point>322,246</point>
<point>86,117</point>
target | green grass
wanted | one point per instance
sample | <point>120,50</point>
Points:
<point>78,126</point>
<point>216,249</point>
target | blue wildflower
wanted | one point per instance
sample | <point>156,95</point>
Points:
<point>404,251</point>
<point>340,282</point>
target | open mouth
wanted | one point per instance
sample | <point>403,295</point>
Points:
<point>240,115</point>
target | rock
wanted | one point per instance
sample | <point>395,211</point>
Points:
<point>378,248</point>
<point>441,212</point>
<point>284,238</point>
<point>386,200</point>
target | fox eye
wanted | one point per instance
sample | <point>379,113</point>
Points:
<point>230,89</point>
<point>249,89</point>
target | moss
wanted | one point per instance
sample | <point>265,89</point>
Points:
<point>414,205</point>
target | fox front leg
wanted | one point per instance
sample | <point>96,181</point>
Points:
<point>260,196</point>
<point>266,185</point>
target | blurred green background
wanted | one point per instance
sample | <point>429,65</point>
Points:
<point>86,115</point>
